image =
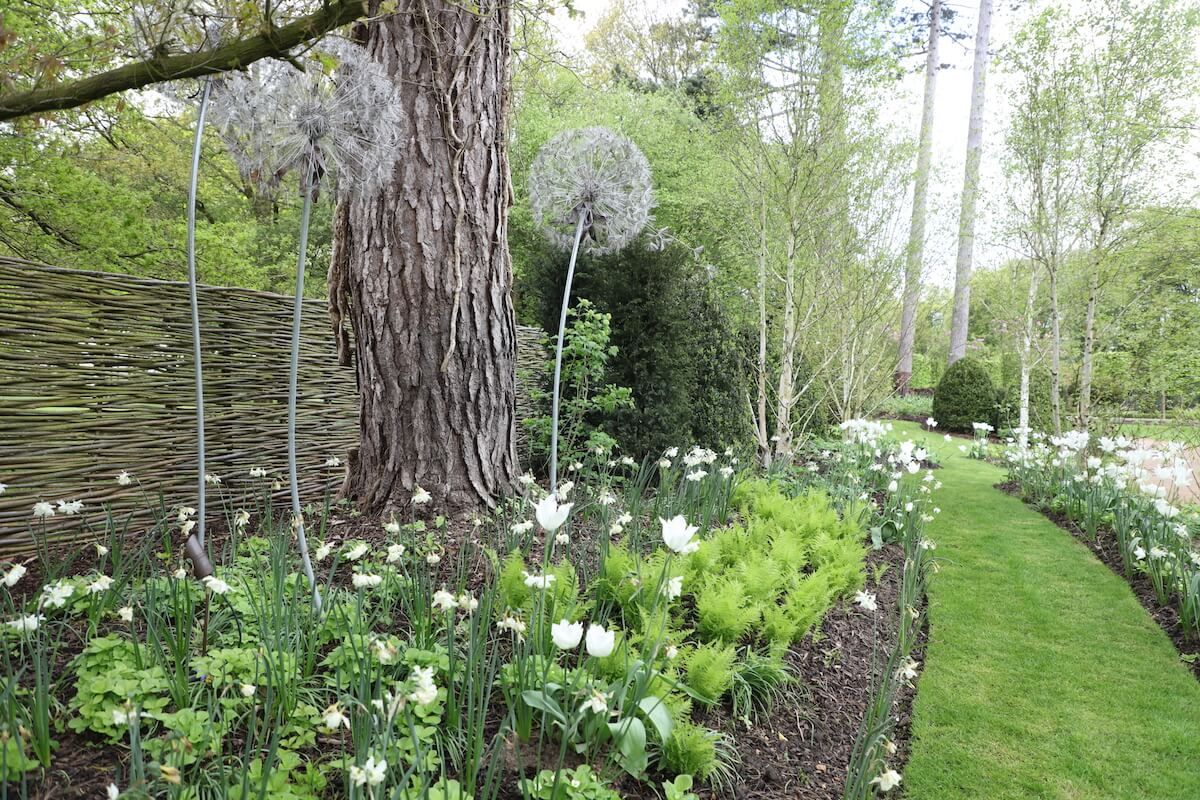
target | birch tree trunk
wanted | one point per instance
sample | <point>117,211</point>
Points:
<point>916,233</point>
<point>1089,347</point>
<point>1055,356</point>
<point>970,194</point>
<point>760,431</point>
<point>429,276</point>
<point>787,361</point>
<point>1026,356</point>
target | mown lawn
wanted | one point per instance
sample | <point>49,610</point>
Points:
<point>1044,677</point>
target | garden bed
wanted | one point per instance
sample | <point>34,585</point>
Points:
<point>1108,552</point>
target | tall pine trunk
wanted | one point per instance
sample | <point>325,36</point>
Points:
<point>428,272</point>
<point>970,194</point>
<point>916,232</point>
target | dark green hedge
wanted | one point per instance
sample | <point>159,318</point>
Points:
<point>964,395</point>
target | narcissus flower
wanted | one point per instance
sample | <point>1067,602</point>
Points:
<point>394,553</point>
<point>597,703</point>
<point>14,574</point>
<point>215,584</point>
<point>124,479</point>
<point>444,601</point>
<point>866,600</point>
<point>248,689</point>
<point>425,691</point>
<point>371,773</point>
<point>70,507</point>
<point>363,581</point>
<point>333,718</point>
<point>125,613</point>
<point>887,780</point>
<point>357,551</point>
<point>538,581</point>
<point>43,510</point>
<point>27,623</point>
<point>421,497</point>
<point>56,594</point>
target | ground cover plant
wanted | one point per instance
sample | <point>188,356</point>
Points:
<point>593,640</point>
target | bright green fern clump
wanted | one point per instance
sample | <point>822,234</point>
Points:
<point>724,610</point>
<point>710,671</point>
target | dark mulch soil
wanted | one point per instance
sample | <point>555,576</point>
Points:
<point>800,750</point>
<point>1108,551</point>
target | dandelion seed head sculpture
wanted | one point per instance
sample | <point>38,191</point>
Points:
<point>596,173</point>
<point>275,119</point>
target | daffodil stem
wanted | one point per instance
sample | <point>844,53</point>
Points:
<point>195,306</point>
<point>558,351</point>
<point>309,188</point>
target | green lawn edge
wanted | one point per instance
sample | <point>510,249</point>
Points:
<point>1044,676</point>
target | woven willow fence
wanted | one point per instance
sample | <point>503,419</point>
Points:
<point>96,377</point>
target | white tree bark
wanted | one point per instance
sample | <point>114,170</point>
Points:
<point>760,427</point>
<point>1027,355</point>
<point>970,194</point>
<point>916,233</point>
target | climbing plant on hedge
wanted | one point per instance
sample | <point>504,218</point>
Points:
<point>964,395</point>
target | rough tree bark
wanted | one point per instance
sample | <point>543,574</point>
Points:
<point>970,195</point>
<point>428,270</point>
<point>916,232</point>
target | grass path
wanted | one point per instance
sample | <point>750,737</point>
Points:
<point>1044,677</point>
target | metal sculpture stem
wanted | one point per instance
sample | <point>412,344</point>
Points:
<point>562,326</point>
<point>308,188</point>
<point>191,265</point>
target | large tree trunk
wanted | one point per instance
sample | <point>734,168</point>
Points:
<point>916,231</point>
<point>970,195</point>
<point>429,275</point>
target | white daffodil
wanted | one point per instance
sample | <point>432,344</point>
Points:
<point>521,528</point>
<point>600,642</point>
<point>513,624</point>
<point>212,480</point>
<point>125,613</point>
<point>333,461</point>
<point>70,507</point>
<point>333,718</point>
<point>102,584</point>
<point>124,479</point>
<point>909,669</point>
<point>468,602</point>
<point>14,574</point>
<point>444,601</point>
<point>112,792</point>
<point>696,475</point>
<point>420,497</point>
<point>248,689</point>
<point>887,780</point>
<point>566,635</point>
<point>392,527</point>
<point>364,581</point>
<point>562,539</point>
<point>538,581</point>
<point>526,480</point>
<point>395,552</point>
<point>323,551</point>
<point>677,535</point>
<point>433,559</point>
<point>56,594</point>
<point>357,551</point>
<point>28,623</point>
<point>674,587</point>
<point>550,515</point>
<point>866,600</point>
<point>425,690</point>
<point>43,510</point>
<point>258,472</point>
<point>241,519</point>
<point>215,584</point>
<point>371,773</point>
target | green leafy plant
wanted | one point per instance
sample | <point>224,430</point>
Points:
<point>965,394</point>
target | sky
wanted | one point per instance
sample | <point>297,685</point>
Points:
<point>952,105</point>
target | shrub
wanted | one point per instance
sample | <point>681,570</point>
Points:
<point>677,347</point>
<point>964,395</point>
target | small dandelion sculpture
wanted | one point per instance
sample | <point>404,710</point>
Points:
<point>276,119</point>
<point>588,188</point>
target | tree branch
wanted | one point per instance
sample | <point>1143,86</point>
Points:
<point>273,43</point>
